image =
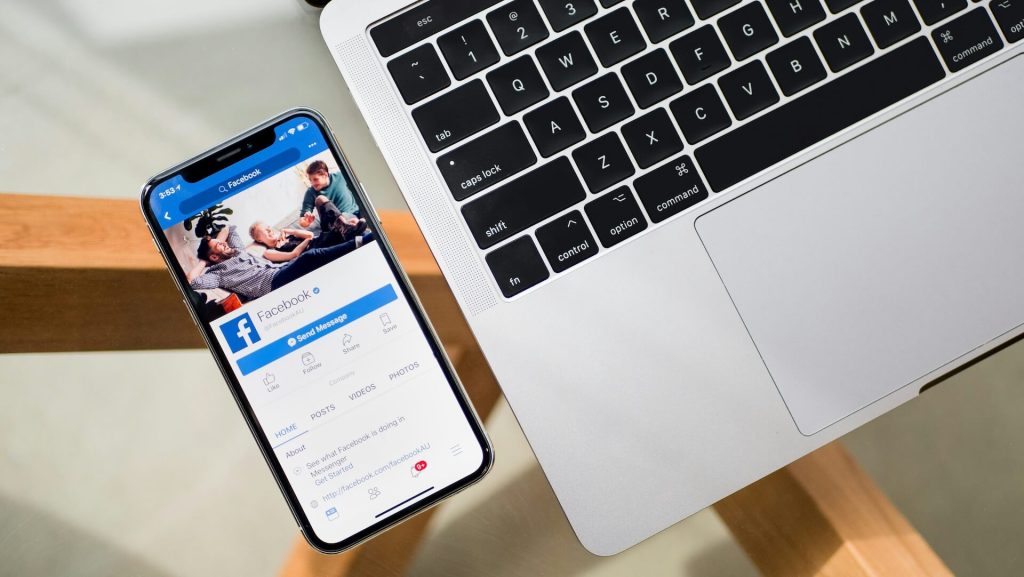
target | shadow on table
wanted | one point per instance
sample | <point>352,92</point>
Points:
<point>521,531</point>
<point>34,542</point>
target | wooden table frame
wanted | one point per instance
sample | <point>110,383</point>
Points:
<point>92,269</point>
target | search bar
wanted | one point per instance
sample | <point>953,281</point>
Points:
<point>239,181</point>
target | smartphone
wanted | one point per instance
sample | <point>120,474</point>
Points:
<point>287,273</point>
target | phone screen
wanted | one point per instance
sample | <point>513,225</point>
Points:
<point>348,390</point>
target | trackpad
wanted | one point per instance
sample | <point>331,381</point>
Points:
<point>889,257</point>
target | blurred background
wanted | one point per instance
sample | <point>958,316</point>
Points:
<point>118,464</point>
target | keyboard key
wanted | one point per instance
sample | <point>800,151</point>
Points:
<point>700,113</point>
<point>843,42</point>
<point>652,78</point>
<point>512,208</point>
<point>565,13</point>
<point>796,66</point>
<point>609,3</point>
<point>820,113</point>
<point>615,216</point>
<point>423,21</point>
<point>968,39</point>
<point>517,266</point>
<point>554,126</point>
<point>486,161</point>
<point>517,26</point>
<point>747,31</point>
<point>652,138</point>
<point>748,90</point>
<point>455,116</point>
<point>796,15</point>
<point>934,10</point>
<point>837,6</point>
<point>517,85</point>
<point>566,241</point>
<point>615,37</point>
<point>708,8</point>
<point>699,54</point>
<point>1010,16</point>
<point>890,21</point>
<point>566,61</point>
<point>603,162</point>
<point>419,73</point>
<point>670,189</point>
<point>663,18</point>
<point>603,102</point>
<point>468,49</point>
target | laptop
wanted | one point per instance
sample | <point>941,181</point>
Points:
<point>698,239</point>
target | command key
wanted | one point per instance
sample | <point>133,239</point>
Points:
<point>967,39</point>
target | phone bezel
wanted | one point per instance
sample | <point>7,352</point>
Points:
<point>153,224</point>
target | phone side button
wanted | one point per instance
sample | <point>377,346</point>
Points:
<point>369,203</point>
<point>191,314</point>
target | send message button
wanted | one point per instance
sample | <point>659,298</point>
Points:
<point>317,329</point>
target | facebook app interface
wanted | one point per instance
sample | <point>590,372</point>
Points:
<point>283,266</point>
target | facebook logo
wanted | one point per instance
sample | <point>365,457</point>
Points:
<point>240,333</point>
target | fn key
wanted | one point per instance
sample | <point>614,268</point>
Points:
<point>517,266</point>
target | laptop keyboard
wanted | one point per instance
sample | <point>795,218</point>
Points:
<point>564,127</point>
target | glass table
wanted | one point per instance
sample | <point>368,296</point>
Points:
<point>138,463</point>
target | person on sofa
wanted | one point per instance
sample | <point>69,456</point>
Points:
<point>285,244</point>
<point>224,263</point>
<point>324,183</point>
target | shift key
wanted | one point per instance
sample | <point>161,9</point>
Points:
<point>522,203</point>
<point>455,116</point>
<point>486,161</point>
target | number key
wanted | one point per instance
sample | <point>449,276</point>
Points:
<point>565,13</point>
<point>468,49</point>
<point>517,26</point>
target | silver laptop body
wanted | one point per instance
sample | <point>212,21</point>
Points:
<point>669,336</point>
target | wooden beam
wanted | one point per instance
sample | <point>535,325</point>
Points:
<point>91,264</point>
<point>823,516</point>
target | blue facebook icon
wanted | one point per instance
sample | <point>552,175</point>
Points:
<point>240,333</point>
